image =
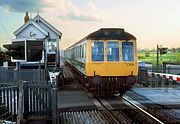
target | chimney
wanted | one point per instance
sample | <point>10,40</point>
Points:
<point>26,18</point>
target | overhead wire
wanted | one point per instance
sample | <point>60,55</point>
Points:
<point>5,30</point>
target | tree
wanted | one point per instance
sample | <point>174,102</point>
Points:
<point>147,53</point>
<point>174,50</point>
<point>178,57</point>
<point>4,56</point>
<point>1,56</point>
<point>178,50</point>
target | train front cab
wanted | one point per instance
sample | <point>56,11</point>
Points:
<point>111,63</point>
<point>111,58</point>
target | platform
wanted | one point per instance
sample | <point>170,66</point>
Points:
<point>168,98</point>
<point>162,96</point>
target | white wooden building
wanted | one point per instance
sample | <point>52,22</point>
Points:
<point>39,29</point>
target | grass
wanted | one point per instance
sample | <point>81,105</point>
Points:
<point>152,56</point>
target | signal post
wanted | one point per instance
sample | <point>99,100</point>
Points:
<point>162,51</point>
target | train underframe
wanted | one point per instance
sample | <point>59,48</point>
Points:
<point>108,86</point>
<point>105,86</point>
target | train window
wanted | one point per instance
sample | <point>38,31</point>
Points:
<point>76,52</point>
<point>82,51</point>
<point>73,54</point>
<point>79,52</point>
<point>97,51</point>
<point>127,51</point>
<point>112,51</point>
<point>80,48</point>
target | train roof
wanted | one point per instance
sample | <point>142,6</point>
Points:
<point>110,34</point>
<point>107,34</point>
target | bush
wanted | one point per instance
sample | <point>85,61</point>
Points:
<point>178,57</point>
<point>147,54</point>
<point>141,57</point>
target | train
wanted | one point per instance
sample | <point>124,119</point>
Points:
<point>105,61</point>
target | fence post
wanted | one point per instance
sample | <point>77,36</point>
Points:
<point>54,101</point>
<point>20,103</point>
<point>146,77</point>
<point>54,90</point>
<point>159,80</point>
<point>26,100</point>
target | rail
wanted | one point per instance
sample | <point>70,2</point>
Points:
<point>107,109</point>
<point>134,103</point>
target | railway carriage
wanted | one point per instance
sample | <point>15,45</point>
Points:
<point>105,61</point>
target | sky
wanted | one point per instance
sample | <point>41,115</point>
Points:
<point>152,22</point>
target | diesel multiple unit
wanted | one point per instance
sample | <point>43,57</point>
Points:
<point>105,61</point>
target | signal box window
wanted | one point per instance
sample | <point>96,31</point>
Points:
<point>112,51</point>
<point>98,51</point>
<point>127,51</point>
<point>52,45</point>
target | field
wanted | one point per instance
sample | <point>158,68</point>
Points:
<point>152,56</point>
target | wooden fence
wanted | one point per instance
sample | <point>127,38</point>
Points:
<point>8,100</point>
<point>27,93</point>
<point>36,98</point>
<point>11,75</point>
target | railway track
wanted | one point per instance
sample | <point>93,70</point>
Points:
<point>135,114</point>
<point>145,116</point>
<point>168,113</point>
<point>115,116</point>
<point>105,112</point>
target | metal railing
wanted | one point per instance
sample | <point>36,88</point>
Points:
<point>155,80</point>
<point>169,69</point>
